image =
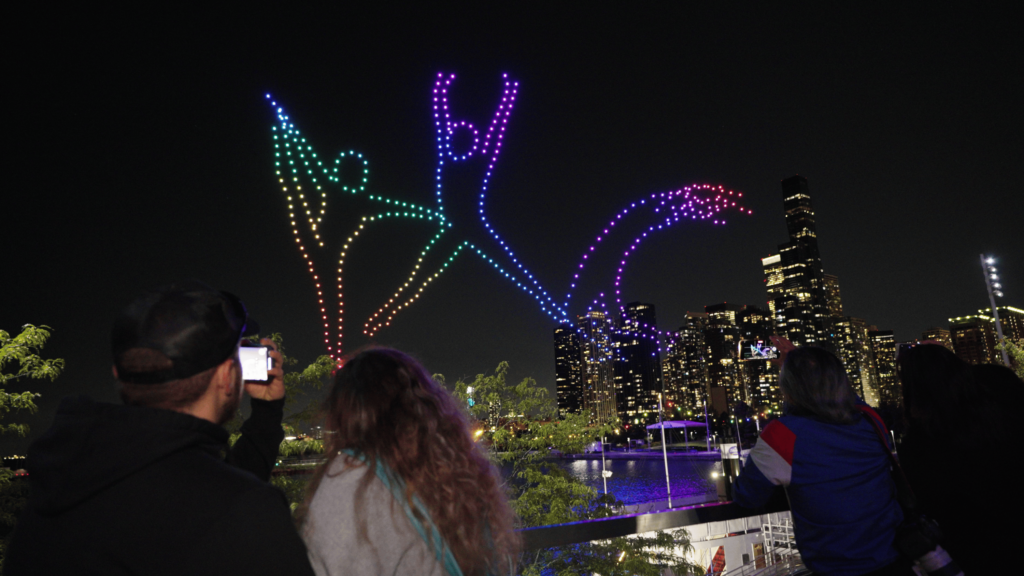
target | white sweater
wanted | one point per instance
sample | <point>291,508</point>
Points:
<point>330,531</point>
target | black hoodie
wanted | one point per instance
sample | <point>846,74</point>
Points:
<point>132,490</point>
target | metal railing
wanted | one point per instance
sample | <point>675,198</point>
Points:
<point>618,526</point>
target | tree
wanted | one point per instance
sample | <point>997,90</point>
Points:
<point>1016,353</point>
<point>23,351</point>
<point>521,424</point>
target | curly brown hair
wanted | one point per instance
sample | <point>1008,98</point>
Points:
<point>385,405</point>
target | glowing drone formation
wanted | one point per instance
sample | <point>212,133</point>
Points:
<point>306,180</point>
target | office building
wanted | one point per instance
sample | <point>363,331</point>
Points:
<point>773,277</point>
<point>637,363</point>
<point>801,311</point>
<point>974,338</point>
<point>940,335</point>
<point>883,347</point>
<point>759,377</point>
<point>568,370</point>
<point>685,366</point>
<point>1012,321</point>
<point>722,337</point>
<point>854,349</point>
<point>598,365</point>
<point>832,297</point>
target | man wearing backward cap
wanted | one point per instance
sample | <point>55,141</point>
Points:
<point>151,487</point>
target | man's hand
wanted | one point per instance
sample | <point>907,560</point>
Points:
<point>273,388</point>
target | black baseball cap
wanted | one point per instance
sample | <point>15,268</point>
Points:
<point>177,331</point>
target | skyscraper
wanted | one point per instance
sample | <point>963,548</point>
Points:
<point>759,378</point>
<point>722,337</point>
<point>637,362</point>
<point>974,338</point>
<point>773,277</point>
<point>801,312</point>
<point>686,369</point>
<point>598,364</point>
<point>854,349</point>
<point>832,297</point>
<point>883,347</point>
<point>568,370</point>
<point>940,335</point>
<point>1012,321</point>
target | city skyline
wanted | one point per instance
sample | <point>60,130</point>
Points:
<point>142,158</point>
<point>706,365</point>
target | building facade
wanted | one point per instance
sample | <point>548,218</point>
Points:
<point>974,338</point>
<point>637,363</point>
<point>598,366</point>
<point>940,335</point>
<point>801,311</point>
<point>568,370</point>
<point>883,347</point>
<point>685,366</point>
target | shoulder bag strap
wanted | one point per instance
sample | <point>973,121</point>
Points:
<point>904,493</point>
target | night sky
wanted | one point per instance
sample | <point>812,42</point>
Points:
<point>140,152</point>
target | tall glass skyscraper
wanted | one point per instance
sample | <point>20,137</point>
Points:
<point>801,311</point>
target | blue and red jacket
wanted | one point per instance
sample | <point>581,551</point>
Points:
<point>841,494</point>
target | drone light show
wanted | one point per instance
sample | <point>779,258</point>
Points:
<point>310,183</point>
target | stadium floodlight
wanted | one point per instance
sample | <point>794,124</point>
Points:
<point>994,290</point>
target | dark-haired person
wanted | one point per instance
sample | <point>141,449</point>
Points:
<point>828,457</point>
<point>405,489</point>
<point>958,433</point>
<point>143,487</point>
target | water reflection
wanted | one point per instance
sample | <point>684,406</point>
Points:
<point>637,481</point>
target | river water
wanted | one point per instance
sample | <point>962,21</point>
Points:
<point>643,480</point>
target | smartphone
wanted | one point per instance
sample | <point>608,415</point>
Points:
<point>757,350</point>
<point>255,361</point>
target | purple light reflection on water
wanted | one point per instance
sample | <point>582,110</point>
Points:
<point>643,480</point>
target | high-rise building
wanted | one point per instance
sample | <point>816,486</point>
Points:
<point>883,347</point>
<point>832,297</point>
<point>637,363</point>
<point>598,353</point>
<point>940,335</point>
<point>685,366</point>
<point>568,370</point>
<point>1012,321</point>
<point>858,358</point>
<point>722,337</point>
<point>974,338</point>
<point>759,378</point>
<point>773,277</point>
<point>801,312</point>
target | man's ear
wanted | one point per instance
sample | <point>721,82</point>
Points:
<point>227,376</point>
<point>114,370</point>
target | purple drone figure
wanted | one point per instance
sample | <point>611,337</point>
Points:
<point>463,176</point>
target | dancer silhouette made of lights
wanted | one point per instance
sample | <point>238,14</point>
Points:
<point>464,171</point>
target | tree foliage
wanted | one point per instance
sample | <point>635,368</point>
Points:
<point>520,423</point>
<point>20,360</point>
<point>1016,353</point>
<point>23,351</point>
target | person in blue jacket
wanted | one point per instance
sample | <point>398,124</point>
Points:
<point>828,457</point>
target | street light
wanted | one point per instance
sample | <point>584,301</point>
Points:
<point>994,289</point>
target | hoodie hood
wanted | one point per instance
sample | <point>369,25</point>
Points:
<point>93,445</point>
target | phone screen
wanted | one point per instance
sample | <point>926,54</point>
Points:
<point>757,350</point>
<point>255,362</point>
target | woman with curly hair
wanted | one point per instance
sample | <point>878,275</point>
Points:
<point>405,489</point>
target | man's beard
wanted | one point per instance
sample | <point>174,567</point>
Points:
<point>229,408</point>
